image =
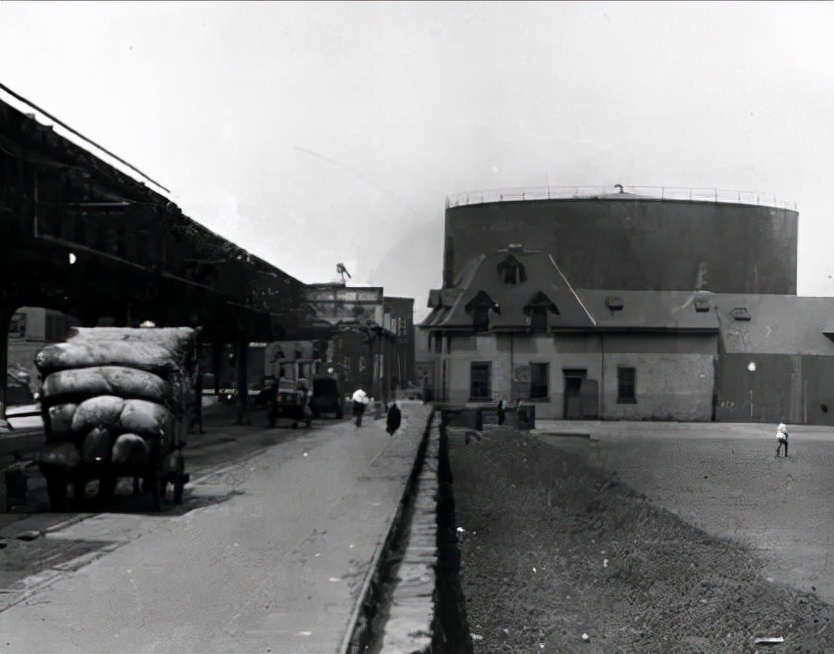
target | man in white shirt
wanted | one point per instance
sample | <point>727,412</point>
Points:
<point>360,400</point>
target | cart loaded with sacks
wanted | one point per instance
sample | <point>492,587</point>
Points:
<point>116,402</point>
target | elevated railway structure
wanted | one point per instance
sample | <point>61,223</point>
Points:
<point>86,233</point>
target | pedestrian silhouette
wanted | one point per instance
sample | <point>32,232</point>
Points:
<point>501,409</point>
<point>393,419</point>
<point>359,400</point>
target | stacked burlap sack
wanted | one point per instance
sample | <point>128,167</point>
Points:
<point>109,394</point>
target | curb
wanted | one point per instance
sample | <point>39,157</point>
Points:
<point>412,606</point>
<point>360,630</point>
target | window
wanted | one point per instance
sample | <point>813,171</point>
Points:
<point>538,381</point>
<point>480,319</point>
<point>479,307</point>
<point>438,343</point>
<point>479,390</point>
<point>626,378</point>
<point>512,271</point>
<point>741,313</point>
<point>538,320</point>
<point>537,309</point>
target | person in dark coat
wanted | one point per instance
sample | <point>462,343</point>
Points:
<point>502,411</point>
<point>393,419</point>
<point>197,417</point>
<point>271,402</point>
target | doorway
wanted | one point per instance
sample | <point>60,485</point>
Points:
<point>573,393</point>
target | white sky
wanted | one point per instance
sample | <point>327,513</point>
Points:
<point>312,133</point>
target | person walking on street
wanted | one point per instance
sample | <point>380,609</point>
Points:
<point>502,408</point>
<point>360,400</point>
<point>306,408</point>
<point>271,402</point>
<point>393,419</point>
<point>197,416</point>
<point>782,438</point>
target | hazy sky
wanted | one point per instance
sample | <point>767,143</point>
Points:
<point>312,133</point>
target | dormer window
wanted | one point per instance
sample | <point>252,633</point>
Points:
<point>512,271</point>
<point>479,308</point>
<point>614,303</point>
<point>701,304</point>
<point>537,309</point>
<point>538,320</point>
<point>741,313</point>
<point>480,319</point>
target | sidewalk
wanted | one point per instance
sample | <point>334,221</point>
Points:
<point>281,565</point>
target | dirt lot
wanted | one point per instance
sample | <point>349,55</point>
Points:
<point>555,545</point>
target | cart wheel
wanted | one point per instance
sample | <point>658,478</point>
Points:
<point>179,480</point>
<point>56,490</point>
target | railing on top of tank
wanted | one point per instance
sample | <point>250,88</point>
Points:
<point>651,192</point>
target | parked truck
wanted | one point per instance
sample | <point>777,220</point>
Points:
<point>116,402</point>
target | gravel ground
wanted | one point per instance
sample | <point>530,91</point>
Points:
<point>555,546</point>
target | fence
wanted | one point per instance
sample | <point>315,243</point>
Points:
<point>627,192</point>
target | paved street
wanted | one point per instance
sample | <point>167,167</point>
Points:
<point>269,552</point>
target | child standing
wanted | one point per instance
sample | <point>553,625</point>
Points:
<point>782,437</point>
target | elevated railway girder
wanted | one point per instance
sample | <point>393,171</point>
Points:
<point>82,233</point>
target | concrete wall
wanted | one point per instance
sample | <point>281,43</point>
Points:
<point>638,244</point>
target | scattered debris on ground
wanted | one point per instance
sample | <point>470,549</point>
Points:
<point>558,557</point>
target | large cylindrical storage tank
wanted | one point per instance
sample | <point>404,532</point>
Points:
<point>629,242</point>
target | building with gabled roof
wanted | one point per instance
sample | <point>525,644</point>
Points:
<point>514,327</point>
<point>513,324</point>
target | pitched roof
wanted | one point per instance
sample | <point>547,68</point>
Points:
<point>484,277</point>
<point>650,310</point>
<point>772,324</point>
<point>777,324</point>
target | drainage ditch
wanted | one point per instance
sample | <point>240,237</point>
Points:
<point>451,627</point>
<point>413,601</point>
